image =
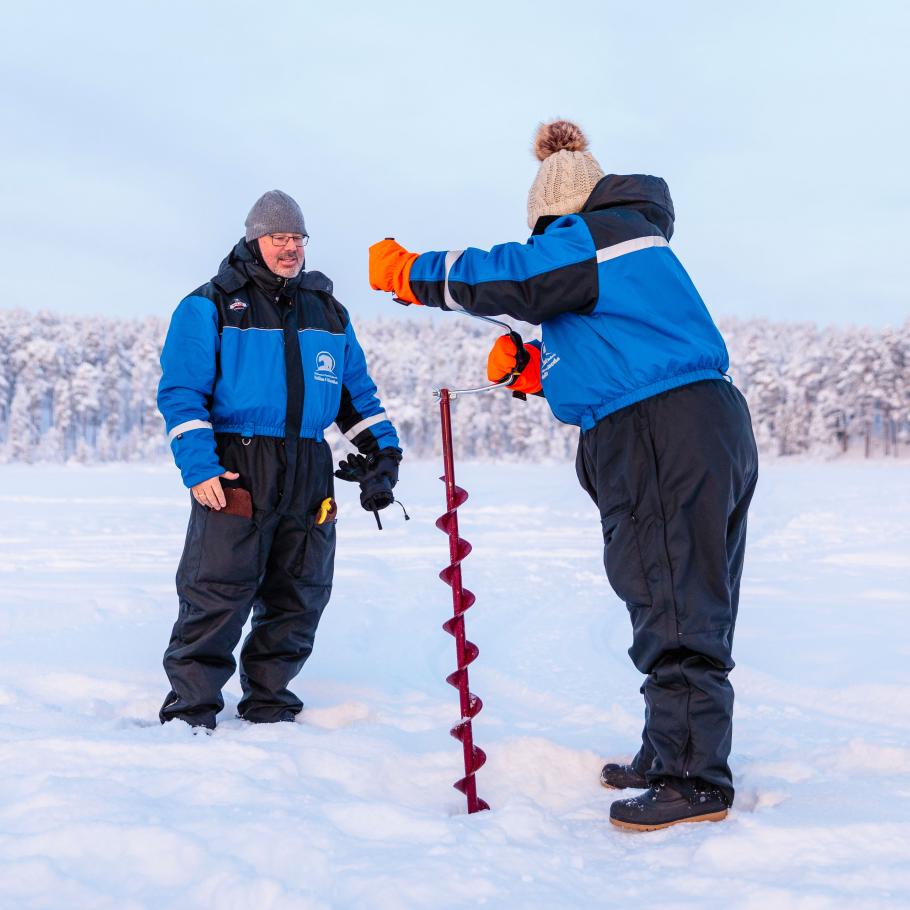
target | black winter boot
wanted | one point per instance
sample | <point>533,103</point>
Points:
<point>662,806</point>
<point>622,777</point>
<point>285,716</point>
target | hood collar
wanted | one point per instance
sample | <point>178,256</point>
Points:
<point>648,195</point>
<point>245,263</point>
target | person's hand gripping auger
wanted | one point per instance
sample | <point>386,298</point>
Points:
<point>514,364</point>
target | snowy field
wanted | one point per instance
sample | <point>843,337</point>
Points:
<point>102,808</point>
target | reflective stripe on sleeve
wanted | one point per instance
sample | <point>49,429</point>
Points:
<point>365,424</point>
<point>627,246</point>
<point>451,258</point>
<point>186,427</point>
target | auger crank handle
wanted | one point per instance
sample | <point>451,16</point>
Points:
<point>522,357</point>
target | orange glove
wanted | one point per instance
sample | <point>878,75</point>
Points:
<point>502,361</point>
<point>390,269</point>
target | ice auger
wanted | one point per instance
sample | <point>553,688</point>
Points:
<point>462,599</point>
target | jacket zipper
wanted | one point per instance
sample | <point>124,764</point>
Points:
<point>296,391</point>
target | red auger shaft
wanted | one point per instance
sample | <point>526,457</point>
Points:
<point>462,600</point>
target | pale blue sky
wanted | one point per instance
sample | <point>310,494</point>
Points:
<point>137,135</point>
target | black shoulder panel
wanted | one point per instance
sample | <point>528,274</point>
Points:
<point>229,280</point>
<point>320,310</point>
<point>207,290</point>
<point>341,313</point>
<point>316,281</point>
<point>611,226</point>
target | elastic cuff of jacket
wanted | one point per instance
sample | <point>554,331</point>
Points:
<point>190,480</point>
<point>403,286</point>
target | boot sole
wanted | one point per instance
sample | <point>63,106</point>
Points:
<point>631,826</point>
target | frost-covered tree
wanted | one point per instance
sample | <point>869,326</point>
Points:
<point>84,388</point>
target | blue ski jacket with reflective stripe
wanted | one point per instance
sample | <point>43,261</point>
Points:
<point>620,318</point>
<point>224,370</point>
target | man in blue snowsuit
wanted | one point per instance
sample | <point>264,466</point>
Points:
<point>256,365</point>
<point>629,354</point>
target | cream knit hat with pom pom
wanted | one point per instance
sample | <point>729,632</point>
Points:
<point>568,171</point>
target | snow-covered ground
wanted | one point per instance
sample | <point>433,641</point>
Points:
<point>100,807</point>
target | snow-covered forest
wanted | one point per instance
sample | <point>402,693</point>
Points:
<point>84,388</point>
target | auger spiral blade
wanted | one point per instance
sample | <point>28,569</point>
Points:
<point>462,600</point>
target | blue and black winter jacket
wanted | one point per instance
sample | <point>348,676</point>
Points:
<point>224,368</point>
<point>620,318</point>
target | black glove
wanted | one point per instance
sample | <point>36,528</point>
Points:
<point>377,475</point>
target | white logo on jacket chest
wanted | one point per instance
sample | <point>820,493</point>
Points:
<point>325,368</point>
<point>548,361</point>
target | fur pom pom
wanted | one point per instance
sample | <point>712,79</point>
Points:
<point>556,136</point>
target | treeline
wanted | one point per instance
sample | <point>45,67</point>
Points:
<point>823,391</point>
<point>84,389</point>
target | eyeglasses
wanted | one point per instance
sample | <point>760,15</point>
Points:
<point>282,239</point>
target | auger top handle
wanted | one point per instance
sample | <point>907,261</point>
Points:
<point>522,359</point>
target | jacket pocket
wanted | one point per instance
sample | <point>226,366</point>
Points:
<point>229,549</point>
<point>622,556</point>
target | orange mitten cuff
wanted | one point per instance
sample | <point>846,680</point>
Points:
<point>501,362</point>
<point>390,269</point>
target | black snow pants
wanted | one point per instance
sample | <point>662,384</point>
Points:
<point>280,564</point>
<point>673,477</point>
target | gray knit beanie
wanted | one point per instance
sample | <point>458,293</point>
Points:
<point>274,212</point>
